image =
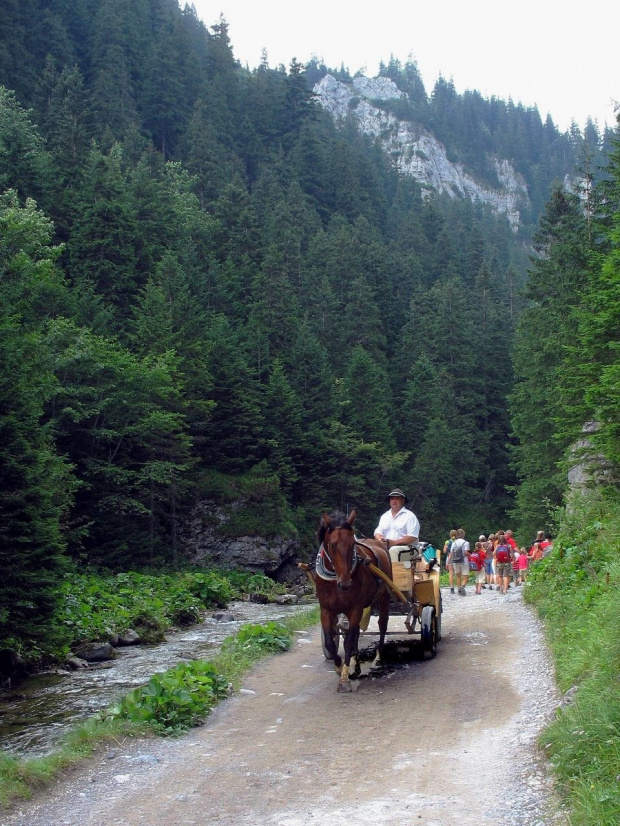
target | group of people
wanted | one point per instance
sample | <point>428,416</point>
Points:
<point>496,560</point>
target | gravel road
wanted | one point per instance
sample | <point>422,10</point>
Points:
<point>447,741</point>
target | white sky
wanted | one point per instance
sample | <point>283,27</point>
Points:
<point>561,55</point>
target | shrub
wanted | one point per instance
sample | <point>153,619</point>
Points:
<point>576,591</point>
<point>173,702</point>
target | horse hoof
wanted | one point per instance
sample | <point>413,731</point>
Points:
<point>344,688</point>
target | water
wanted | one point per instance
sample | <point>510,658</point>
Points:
<point>36,715</point>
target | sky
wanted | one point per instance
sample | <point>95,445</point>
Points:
<point>560,55</point>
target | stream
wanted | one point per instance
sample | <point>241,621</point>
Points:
<point>37,713</point>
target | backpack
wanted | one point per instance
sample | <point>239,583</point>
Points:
<point>475,563</point>
<point>430,552</point>
<point>502,554</point>
<point>457,550</point>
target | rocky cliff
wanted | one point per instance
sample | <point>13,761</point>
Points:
<point>203,542</point>
<point>415,151</point>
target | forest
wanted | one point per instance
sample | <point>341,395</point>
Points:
<point>207,287</point>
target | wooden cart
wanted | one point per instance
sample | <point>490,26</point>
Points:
<point>418,581</point>
<point>415,595</point>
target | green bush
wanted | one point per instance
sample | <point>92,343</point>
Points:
<point>173,702</point>
<point>273,636</point>
<point>95,606</point>
<point>182,697</point>
<point>576,590</point>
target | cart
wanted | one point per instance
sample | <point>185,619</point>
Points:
<point>418,581</point>
<point>415,595</point>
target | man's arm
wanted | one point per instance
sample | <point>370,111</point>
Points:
<point>403,540</point>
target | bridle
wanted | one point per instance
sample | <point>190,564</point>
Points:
<point>323,557</point>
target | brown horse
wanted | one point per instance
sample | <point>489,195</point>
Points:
<point>345,585</point>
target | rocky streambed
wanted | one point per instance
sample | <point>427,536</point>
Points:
<point>35,715</point>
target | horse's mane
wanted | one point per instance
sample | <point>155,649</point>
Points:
<point>338,520</point>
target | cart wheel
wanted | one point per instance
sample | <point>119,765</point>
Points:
<point>438,619</point>
<point>336,637</point>
<point>428,632</point>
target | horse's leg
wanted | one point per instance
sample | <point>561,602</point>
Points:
<point>350,648</point>
<point>384,616</point>
<point>328,622</point>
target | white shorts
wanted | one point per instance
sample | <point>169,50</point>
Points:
<point>461,568</point>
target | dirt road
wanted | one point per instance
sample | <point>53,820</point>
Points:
<point>448,741</point>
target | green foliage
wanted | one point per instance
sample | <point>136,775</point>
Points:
<point>263,511</point>
<point>182,697</point>
<point>94,606</point>
<point>171,703</point>
<point>273,636</point>
<point>576,590</point>
<point>35,484</point>
<point>556,280</point>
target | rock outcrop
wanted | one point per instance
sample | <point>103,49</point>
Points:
<point>415,151</point>
<point>203,543</point>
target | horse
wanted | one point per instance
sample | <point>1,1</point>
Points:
<point>345,585</point>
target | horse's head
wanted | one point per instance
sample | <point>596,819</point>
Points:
<point>336,536</point>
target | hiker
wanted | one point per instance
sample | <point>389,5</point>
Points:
<point>523,564</point>
<point>446,553</point>
<point>476,564</point>
<point>488,546</point>
<point>503,565</point>
<point>459,558</point>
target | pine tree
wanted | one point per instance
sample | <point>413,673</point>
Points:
<point>102,249</point>
<point>35,485</point>
<point>555,281</point>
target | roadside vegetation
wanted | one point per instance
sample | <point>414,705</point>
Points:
<point>576,592</point>
<point>168,704</point>
<point>93,606</point>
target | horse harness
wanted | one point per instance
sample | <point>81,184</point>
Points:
<point>323,556</point>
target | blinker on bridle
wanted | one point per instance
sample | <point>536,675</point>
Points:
<point>325,553</point>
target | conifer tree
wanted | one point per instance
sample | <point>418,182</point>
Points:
<point>555,281</point>
<point>35,486</point>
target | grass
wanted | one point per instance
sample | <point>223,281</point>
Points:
<point>577,593</point>
<point>19,778</point>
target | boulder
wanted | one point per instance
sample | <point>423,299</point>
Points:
<point>223,616</point>
<point>76,663</point>
<point>129,637</point>
<point>287,599</point>
<point>96,652</point>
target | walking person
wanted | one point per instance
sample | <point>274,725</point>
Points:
<point>459,558</point>
<point>487,544</point>
<point>500,539</point>
<point>516,554</point>
<point>446,554</point>
<point>503,565</point>
<point>476,564</point>
<point>523,564</point>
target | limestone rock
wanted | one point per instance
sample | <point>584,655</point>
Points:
<point>203,544</point>
<point>415,151</point>
<point>223,616</point>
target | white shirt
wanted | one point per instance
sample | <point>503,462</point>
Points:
<point>405,523</point>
